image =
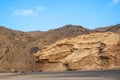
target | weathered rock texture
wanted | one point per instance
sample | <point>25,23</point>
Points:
<point>12,55</point>
<point>85,52</point>
<point>17,47</point>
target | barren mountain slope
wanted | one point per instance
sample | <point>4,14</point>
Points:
<point>17,48</point>
<point>113,28</point>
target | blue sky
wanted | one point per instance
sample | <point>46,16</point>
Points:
<point>30,15</point>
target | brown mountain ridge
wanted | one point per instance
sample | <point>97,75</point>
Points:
<point>17,48</point>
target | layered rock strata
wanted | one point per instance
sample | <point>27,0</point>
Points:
<point>85,52</point>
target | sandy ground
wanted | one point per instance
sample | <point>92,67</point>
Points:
<point>74,75</point>
<point>71,78</point>
<point>37,77</point>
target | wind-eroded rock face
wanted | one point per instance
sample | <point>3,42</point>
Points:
<point>85,52</point>
<point>17,47</point>
<point>93,51</point>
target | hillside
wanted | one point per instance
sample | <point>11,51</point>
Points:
<point>113,28</point>
<point>17,48</point>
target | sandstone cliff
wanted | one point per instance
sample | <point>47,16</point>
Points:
<point>85,52</point>
<point>17,47</point>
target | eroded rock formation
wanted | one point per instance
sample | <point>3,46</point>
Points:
<point>17,47</point>
<point>85,52</point>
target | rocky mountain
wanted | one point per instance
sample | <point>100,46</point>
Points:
<point>12,51</point>
<point>113,28</point>
<point>17,48</point>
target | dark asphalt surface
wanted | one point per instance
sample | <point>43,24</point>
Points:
<point>67,75</point>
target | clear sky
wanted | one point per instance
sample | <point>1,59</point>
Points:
<point>30,15</point>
